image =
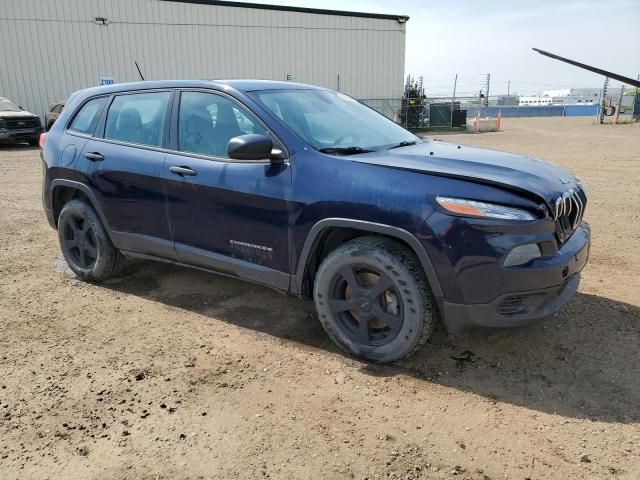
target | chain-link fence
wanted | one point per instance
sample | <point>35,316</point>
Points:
<point>442,112</point>
<point>417,113</point>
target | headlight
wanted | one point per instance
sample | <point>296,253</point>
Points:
<point>473,208</point>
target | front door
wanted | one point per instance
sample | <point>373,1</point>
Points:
<point>226,215</point>
<point>125,168</point>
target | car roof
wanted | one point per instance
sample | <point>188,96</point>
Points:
<point>247,85</point>
<point>244,85</point>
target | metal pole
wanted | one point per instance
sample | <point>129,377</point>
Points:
<point>453,99</point>
<point>488,84</point>
<point>636,103</point>
<point>509,91</point>
<point>619,105</point>
<point>615,76</point>
<point>604,99</point>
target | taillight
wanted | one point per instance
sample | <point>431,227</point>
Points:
<point>43,137</point>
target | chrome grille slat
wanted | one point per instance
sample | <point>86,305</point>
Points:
<point>579,213</point>
<point>568,211</point>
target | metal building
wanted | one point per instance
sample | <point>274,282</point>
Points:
<point>52,48</point>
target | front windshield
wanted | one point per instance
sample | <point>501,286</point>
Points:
<point>8,106</point>
<point>331,120</point>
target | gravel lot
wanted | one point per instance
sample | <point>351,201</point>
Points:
<point>169,373</point>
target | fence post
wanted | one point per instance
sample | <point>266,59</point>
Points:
<point>477,121</point>
<point>453,99</point>
<point>499,115</point>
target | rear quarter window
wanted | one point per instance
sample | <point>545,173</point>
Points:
<point>86,118</point>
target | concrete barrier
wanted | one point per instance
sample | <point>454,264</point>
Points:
<point>484,125</point>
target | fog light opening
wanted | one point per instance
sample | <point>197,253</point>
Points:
<point>522,254</point>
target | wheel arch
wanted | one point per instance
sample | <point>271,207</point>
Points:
<point>343,228</point>
<point>63,190</point>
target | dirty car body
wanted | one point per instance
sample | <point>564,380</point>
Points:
<point>499,237</point>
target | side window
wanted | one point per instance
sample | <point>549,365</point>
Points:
<point>137,118</point>
<point>207,122</point>
<point>85,120</point>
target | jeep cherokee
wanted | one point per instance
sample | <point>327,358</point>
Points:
<point>312,193</point>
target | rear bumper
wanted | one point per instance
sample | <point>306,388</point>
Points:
<point>523,307</point>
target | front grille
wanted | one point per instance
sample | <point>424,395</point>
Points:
<point>568,212</point>
<point>18,123</point>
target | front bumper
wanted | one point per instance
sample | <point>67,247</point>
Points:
<point>20,135</point>
<point>553,282</point>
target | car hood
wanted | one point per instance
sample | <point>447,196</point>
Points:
<point>10,114</point>
<point>514,172</point>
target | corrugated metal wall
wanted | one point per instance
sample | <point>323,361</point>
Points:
<point>52,48</point>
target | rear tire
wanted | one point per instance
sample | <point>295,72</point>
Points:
<point>373,299</point>
<point>85,244</point>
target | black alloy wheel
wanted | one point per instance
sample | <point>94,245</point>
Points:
<point>79,241</point>
<point>367,304</point>
<point>85,244</point>
<point>373,299</point>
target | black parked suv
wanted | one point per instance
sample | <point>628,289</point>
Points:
<point>310,192</point>
<point>18,125</point>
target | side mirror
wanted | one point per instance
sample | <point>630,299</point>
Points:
<point>253,147</point>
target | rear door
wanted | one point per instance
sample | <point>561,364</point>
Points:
<point>124,163</point>
<point>226,215</point>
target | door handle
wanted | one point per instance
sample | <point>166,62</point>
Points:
<point>183,171</point>
<point>94,156</point>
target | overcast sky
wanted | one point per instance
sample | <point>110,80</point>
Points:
<point>475,37</point>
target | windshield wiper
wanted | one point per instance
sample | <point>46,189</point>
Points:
<point>344,150</point>
<point>403,144</point>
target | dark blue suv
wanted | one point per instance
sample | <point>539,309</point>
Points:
<point>312,193</point>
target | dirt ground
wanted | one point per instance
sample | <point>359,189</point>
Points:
<point>169,373</point>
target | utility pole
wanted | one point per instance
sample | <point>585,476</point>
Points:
<point>603,105</point>
<point>487,83</point>
<point>508,92</point>
<point>453,99</point>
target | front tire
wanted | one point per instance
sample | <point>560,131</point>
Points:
<point>373,299</point>
<point>85,244</point>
